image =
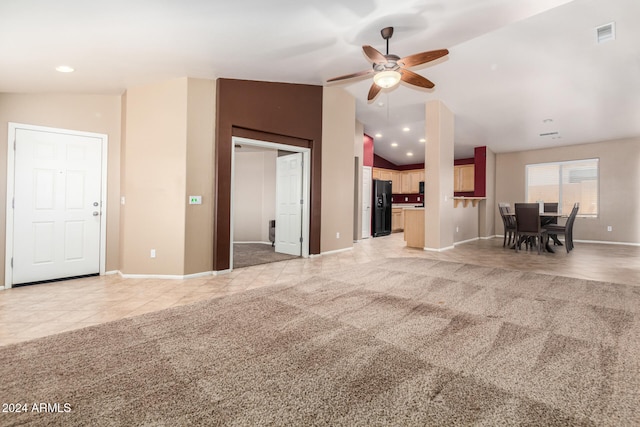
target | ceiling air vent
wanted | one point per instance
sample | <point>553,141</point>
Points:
<point>606,32</point>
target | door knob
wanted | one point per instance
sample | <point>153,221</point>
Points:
<point>95,203</point>
<point>95,213</point>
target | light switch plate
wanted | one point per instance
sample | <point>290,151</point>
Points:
<point>195,200</point>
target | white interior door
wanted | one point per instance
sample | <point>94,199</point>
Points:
<point>289,204</point>
<point>366,202</point>
<point>57,205</point>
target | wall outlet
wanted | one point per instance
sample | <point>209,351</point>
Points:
<point>153,253</point>
<point>609,228</point>
<point>338,235</point>
<point>122,200</point>
<point>406,199</point>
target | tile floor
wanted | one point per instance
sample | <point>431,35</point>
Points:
<point>34,311</point>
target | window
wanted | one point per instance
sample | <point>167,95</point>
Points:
<point>566,183</point>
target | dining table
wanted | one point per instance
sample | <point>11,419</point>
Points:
<point>545,218</point>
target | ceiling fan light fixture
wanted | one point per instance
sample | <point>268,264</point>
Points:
<point>387,79</point>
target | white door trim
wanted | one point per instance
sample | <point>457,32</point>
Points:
<point>11,140</point>
<point>306,187</point>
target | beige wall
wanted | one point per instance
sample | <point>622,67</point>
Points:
<point>89,113</point>
<point>465,221</point>
<point>201,108</point>
<point>619,186</point>
<point>155,159</point>
<point>254,195</point>
<point>338,130</point>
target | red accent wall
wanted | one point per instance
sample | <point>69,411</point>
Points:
<point>368,151</point>
<point>480,161</point>
<point>381,162</point>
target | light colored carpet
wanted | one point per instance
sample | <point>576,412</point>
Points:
<point>399,342</point>
<point>248,254</point>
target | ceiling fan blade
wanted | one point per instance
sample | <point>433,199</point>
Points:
<point>415,79</point>
<point>374,55</point>
<point>349,76</point>
<point>423,58</point>
<point>373,91</point>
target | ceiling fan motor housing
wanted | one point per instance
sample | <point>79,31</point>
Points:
<point>390,65</point>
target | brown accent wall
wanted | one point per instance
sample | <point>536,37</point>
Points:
<point>274,112</point>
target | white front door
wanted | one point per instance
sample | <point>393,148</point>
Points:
<point>289,204</point>
<point>366,202</point>
<point>57,205</point>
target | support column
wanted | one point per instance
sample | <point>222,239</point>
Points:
<point>438,211</point>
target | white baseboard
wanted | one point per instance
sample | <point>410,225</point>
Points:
<point>336,251</point>
<point>166,276</point>
<point>604,242</point>
<point>466,241</point>
<point>438,250</point>
<point>109,273</point>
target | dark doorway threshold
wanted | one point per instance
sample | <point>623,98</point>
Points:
<point>18,285</point>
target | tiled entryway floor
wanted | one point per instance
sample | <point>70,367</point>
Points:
<point>34,311</point>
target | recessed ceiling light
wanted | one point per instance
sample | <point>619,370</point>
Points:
<point>380,104</point>
<point>394,144</point>
<point>64,69</point>
<point>409,154</point>
<point>378,135</point>
<point>423,140</point>
<point>405,129</point>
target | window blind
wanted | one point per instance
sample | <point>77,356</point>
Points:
<point>565,183</point>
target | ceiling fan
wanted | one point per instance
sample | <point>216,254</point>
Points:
<point>389,69</point>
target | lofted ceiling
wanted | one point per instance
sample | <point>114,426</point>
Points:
<point>516,69</point>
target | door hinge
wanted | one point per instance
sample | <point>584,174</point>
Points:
<point>300,239</point>
<point>13,203</point>
<point>301,202</point>
<point>14,144</point>
<point>11,262</point>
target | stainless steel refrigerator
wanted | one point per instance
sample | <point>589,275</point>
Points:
<point>381,224</point>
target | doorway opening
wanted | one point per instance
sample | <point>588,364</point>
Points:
<point>270,209</point>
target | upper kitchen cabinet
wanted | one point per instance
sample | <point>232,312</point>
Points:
<point>463,178</point>
<point>402,182</point>
<point>389,175</point>
<point>411,181</point>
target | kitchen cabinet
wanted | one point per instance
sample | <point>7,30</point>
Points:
<point>397,219</point>
<point>411,181</point>
<point>389,175</point>
<point>463,178</point>
<point>402,182</point>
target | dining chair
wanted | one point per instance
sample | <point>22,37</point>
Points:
<point>509,222</point>
<point>528,225</point>
<point>566,229</point>
<point>551,207</point>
